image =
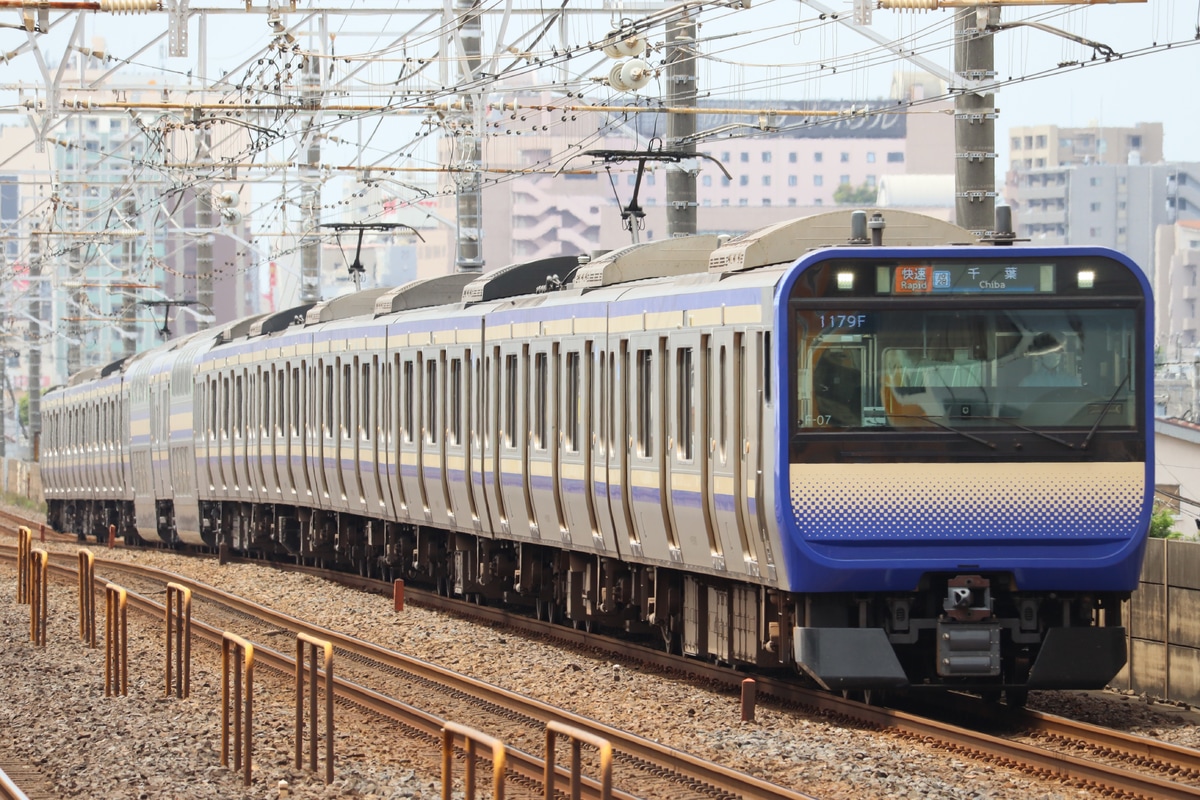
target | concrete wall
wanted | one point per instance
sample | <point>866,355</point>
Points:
<point>21,478</point>
<point>1163,618</point>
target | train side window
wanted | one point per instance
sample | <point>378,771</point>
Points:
<point>265,422</point>
<point>539,400</point>
<point>766,355</point>
<point>510,400</point>
<point>722,394</point>
<point>328,393</point>
<point>685,404</point>
<point>575,398</point>
<point>645,402</point>
<point>364,424</point>
<point>408,401</point>
<point>280,406</point>
<point>455,420</point>
<point>226,411</point>
<point>239,411</point>
<point>347,406</point>
<point>431,419</point>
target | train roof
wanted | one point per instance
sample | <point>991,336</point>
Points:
<point>786,241</point>
<point>527,277</point>
<point>442,290</point>
<point>664,258</point>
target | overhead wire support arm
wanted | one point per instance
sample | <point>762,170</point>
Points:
<point>166,306</point>
<point>356,268</point>
<point>632,213</point>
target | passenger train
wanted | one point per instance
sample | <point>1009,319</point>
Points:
<point>902,465</point>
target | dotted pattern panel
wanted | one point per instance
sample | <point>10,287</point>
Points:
<point>930,502</point>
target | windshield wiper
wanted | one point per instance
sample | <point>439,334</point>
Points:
<point>1034,431</point>
<point>944,426</point>
<point>1104,413</point>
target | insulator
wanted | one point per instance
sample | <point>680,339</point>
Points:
<point>635,73</point>
<point>911,5</point>
<point>130,6</point>
<point>624,43</point>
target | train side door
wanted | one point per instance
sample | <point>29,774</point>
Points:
<point>687,412</point>
<point>395,434</point>
<point>490,450</point>
<point>412,437</point>
<point>577,484</point>
<point>513,441</point>
<point>457,478</point>
<point>543,463</point>
<point>433,441</point>
<point>725,465</point>
<point>756,424</point>
<point>648,486</point>
<point>602,399</point>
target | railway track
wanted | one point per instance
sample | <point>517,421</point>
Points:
<point>655,770</point>
<point>1088,756</point>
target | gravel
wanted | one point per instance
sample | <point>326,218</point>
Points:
<point>53,708</point>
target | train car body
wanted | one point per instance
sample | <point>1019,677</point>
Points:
<point>882,466</point>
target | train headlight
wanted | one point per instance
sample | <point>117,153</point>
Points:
<point>1086,278</point>
<point>845,281</point>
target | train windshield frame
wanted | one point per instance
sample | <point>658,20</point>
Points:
<point>1016,358</point>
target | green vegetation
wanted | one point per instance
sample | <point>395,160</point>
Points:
<point>24,503</point>
<point>1162,524</point>
<point>845,195</point>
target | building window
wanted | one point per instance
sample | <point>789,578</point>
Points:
<point>791,201</point>
<point>1039,162</point>
<point>766,180</point>
<point>706,180</point>
<point>743,201</point>
<point>896,158</point>
<point>792,158</point>
<point>843,179</point>
<point>1041,141</point>
<point>871,181</point>
<point>766,202</point>
<point>743,180</point>
<point>745,158</point>
<point>766,157</point>
<point>818,202</point>
<point>724,201</point>
<point>1094,181</point>
<point>1094,207</point>
<point>1028,142</point>
<point>792,180</point>
<point>1135,142</point>
<point>845,158</point>
<point>725,157</point>
<point>818,157</point>
<point>818,180</point>
<point>870,158</point>
<point>1016,143</point>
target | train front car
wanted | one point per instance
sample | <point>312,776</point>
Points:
<point>965,489</point>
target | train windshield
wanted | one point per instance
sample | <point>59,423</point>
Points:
<point>968,368</point>
<point>979,348</point>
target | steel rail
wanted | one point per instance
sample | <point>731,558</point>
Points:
<point>526,765</point>
<point>686,765</point>
<point>975,743</point>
